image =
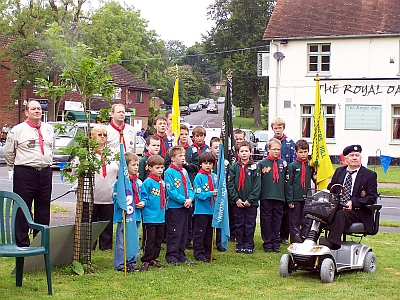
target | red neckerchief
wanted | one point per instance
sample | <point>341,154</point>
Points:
<point>282,138</point>
<point>39,132</point>
<point>275,173</point>
<point>303,171</point>
<point>163,148</point>
<point>242,175</point>
<point>162,193</point>
<point>210,182</point>
<point>184,146</point>
<point>103,167</point>
<point>121,132</point>
<point>184,181</point>
<point>199,147</point>
<point>134,178</point>
<point>148,154</point>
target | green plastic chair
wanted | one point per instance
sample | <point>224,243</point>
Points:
<point>9,203</point>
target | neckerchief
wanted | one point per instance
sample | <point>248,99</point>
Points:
<point>242,175</point>
<point>148,154</point>
<point>163,148</point>
<point>275,173</point>
<point>121,132</point>
<point>162,193</point>
<point>39,132</point>
<point>303,171</point>
<point>184,146</point>
<point>134,178</point>
<point>210,182</point>
<point>103,167</point>
<point>199,147</point>
<point>184,181</point>
<point>282,138</point>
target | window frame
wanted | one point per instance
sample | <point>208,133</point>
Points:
<point>310,117</point>
<point>139,97</point>
<point>320,55</point>
<point>395,128</point>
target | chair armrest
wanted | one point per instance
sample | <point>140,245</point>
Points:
<point>45,230</point>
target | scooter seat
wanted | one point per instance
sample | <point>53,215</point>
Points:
<point>356,228</point>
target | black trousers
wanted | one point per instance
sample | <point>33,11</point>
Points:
<point>104,212</point>
<point>245,221</point>
<point>270,222</point>
<point>202,236</point>
<point>177,222</point>
<point>298,223</point>
<point>284,229</point>
<point>35,187</point>
<point>190,225</point>
<point>153,235</point>
<point>343,220</point>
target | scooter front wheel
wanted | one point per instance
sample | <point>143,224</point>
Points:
<point>370,262</point>
<point>327,271</point>
<point>285,267</point>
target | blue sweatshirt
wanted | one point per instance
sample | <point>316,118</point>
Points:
<point>153,211</point>
<point>203,195</point>
<point>174,188</point>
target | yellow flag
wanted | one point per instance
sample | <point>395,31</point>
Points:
<point>176,113</point>
<point>320,159</point>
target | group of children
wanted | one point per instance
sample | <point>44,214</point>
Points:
<point>175,190</point>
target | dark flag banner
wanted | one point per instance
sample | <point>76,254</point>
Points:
<point>228,137</point>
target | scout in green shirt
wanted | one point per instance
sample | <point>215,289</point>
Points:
<point>152,147</point>
<point>299,177</point>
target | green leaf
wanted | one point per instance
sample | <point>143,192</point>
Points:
<point>78,268</point>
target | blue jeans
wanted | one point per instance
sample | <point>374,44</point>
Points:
<point>119,248</point>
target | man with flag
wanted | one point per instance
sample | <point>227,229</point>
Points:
<point>127,243</point>
<point>320,159</point>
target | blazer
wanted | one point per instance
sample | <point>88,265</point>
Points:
<point>365,192</point>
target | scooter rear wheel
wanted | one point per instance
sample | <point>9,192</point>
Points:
<point>327,271</point>
<point>285,267</point>
<point>370,262</point>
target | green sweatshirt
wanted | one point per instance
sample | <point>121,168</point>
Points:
<point>252,182</point>
<point>294,191</point>
<point>271,190</point>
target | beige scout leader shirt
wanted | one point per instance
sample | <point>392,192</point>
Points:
<point>22,146</point>
<point>129,137</point>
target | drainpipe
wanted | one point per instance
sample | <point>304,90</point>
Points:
<point>276,80</point>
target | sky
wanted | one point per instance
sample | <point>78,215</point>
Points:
<point>183,20</point>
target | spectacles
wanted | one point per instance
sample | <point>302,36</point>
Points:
<point>102,134</point>
<point>275,149</point>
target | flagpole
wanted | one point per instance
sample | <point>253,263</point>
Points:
<point>124,222</point>
<point>212,245</point>
<point>176,113</point>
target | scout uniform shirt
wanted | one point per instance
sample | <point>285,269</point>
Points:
<point>252,183</point>
<point>270,189</point>
<point>153,211</point>
<point>203,196</point>
<point>294,190</point>
<point>113,140</point>
<point>23,148</point>
<point>174,188</point>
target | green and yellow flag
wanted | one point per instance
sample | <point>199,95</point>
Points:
<point>320,159</point>
<point>176,113</point>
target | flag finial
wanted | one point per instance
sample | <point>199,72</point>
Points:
<point>229,73</point>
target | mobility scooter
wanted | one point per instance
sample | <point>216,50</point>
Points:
<point>320,207</point>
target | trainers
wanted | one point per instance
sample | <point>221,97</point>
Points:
<point>155,263</point>
<point>221,249</point>
<point>239,250</point>
<point>145,266</point>
<point>174,263</point>
<point>130,269</point>
<point>248,251</point>
<point>204,260</point>
<point>188,262</point>
<point>284,241</point>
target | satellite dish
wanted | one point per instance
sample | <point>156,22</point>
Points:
<point>279,55</point>
<point>129,101</point>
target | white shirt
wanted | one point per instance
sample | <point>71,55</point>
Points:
<point>129,138</point>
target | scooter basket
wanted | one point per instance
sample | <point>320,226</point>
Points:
<point>321,207</point>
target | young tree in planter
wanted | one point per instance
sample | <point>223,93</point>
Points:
<point>86,75</point>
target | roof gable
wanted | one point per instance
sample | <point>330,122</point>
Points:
<point>316,18</point>
<point>123,77</point>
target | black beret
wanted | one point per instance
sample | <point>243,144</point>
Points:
<point>352,148</point>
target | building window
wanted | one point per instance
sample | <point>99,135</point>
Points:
<point>396,122</point>
<point>319,58</point>
<point>139,97</point>
<point>307,121</point>
<point>117,93</point>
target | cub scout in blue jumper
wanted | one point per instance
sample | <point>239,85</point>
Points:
<point>272,195</point>
<point>244,188</point>
<point>204,196</point>
<point>180,196</point>
<point>153,212</point>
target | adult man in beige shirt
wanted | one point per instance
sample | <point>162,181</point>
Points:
<point>28,152</point>
<point>118,131</point>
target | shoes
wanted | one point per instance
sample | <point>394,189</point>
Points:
<point>130,269</point>
<point>284,241</point>
<point>232,239</point>
<point>145,266</point>
<point>277,250</point>
<point>221,249</point>
<point>174,263</point>
<point>188,262</point>
<point>204,260</point>
<point>239,250</point>
<point>248,251</point>
<point>155,263</point>
<point>268,250</point>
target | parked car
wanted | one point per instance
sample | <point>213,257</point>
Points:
<point>184,110</point>
<point>221,100</point>
<point>140,144</point>
<point>261,141</point>
<point>195,107</point>
<point>212,108</point>
<point>203,102</point>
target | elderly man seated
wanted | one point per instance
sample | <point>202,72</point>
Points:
<point>360,190</point>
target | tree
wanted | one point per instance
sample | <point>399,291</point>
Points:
<point>237,35</point>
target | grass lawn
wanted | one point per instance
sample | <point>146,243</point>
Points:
<point>231,276</point>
